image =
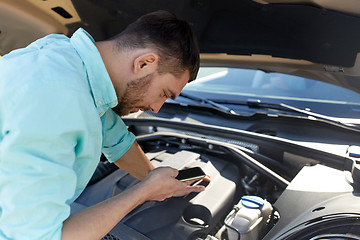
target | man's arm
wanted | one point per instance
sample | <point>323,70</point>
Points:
<point>135,162</point>
<point>98,220</point>
<point>159,184</point>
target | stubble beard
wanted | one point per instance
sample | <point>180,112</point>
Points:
<point>134,94</point>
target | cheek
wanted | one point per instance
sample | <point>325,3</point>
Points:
<point>152,94</point>
<point>149,99</point>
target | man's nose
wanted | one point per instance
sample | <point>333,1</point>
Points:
<point>155,107</point>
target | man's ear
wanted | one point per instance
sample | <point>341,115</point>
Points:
<point>146,63</point>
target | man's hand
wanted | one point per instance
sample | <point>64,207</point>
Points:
<point>161,184</point>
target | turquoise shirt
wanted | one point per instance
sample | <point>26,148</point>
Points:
<point>55,121</point>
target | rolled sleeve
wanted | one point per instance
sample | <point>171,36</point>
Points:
<point>117,138</point>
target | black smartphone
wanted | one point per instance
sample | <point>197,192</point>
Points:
<point>195,173</point>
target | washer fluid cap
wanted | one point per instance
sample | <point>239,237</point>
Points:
<point>354,151</point>
<point>252,201</point>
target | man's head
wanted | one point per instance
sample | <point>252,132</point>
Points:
<point>158,55</point>
<point>171,38</point>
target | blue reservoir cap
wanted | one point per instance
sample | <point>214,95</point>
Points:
<point>252,201</point>
<point>354,151</point>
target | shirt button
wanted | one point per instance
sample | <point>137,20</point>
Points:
<point>99,102</point>
<point>101,114</point>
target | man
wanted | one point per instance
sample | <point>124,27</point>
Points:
<point>57,98</point>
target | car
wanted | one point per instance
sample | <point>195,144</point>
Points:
<point>273,118</point>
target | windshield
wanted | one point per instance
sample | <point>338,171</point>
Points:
<point>234,84</point>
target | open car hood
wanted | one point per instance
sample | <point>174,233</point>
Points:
<point>310,38</point>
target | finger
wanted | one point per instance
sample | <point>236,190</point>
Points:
<point>197,188</point>
<point>191,189</point>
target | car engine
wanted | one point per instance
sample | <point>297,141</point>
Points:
<point>251,194</point>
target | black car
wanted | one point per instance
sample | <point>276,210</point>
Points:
<point>273,118</point>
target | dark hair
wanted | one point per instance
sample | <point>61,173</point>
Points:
<point>172,38</point>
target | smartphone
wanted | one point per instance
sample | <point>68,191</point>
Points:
<point>195,173</point>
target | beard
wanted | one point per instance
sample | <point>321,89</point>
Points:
<point>134,94</point>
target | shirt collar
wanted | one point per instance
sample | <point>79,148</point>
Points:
<point>103,91</point>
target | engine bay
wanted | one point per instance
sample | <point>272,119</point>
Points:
<point>237,167</point>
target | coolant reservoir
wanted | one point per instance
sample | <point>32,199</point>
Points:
<point>248,219</point>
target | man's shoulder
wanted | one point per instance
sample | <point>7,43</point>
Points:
<point>44,64</point>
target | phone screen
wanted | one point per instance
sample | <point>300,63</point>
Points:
<point>195,173</point>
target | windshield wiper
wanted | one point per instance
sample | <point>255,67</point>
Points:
<point>256,103</point>
<point>204,100</point>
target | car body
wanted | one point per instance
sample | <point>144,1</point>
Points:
<point>273,118</point>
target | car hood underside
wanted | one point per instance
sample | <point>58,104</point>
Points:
<point>303,38</point>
